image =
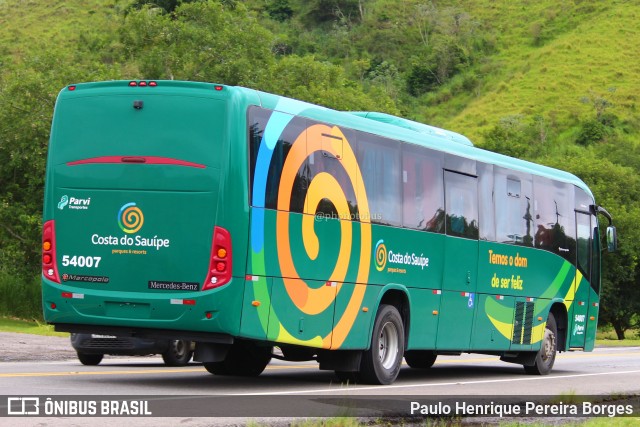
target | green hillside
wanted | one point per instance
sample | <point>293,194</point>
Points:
<point>544,58</point>
<point>28,26</point>
<point>594,54</point>
<point>553,82</point>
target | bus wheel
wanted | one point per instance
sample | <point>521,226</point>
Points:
<point>90,359</point>
<point>420,359</point>
<point>178,354</point>
<point>547,354</point>
<point>381,363</point>
<point>244,358</point>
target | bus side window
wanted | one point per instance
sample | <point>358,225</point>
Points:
<point>461,202</point>
<point>258,124</point>
<point>595,256</point>
<point>555,218</point>
<point>514,216</point>
<point>379,160</point>
<point>323,161</point>
<point>423,196</point>
<point>583,244</point>
<point>486,202</point>
<point>257,119</point>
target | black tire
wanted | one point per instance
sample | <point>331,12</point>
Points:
<point>244,359</point>
<point>381,363</point>
<point>420,359</point>
<point>547,354</point>
<point>178,354</point>
<point>90,359</point>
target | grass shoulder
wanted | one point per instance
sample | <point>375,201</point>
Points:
<point>383,422</point>
<point>606,337</point>
<point>11,324</point>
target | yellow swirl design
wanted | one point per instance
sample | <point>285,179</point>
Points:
<point>324,186</point>
<point>381,256</point>
<point>131,219</point>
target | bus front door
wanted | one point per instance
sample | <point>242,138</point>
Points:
<point>582,282</point>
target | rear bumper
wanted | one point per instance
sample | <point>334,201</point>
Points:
<point>117,345</point>
<point>144,333</point>
<point>209,316</point>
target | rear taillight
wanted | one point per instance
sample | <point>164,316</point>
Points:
<point>220,263</point>
<point>49,265</point>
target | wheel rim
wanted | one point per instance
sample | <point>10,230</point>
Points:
<point>388,345</point>
<point>549,349</point>
<point>179,348</point>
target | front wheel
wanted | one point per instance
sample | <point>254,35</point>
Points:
<point>547,354</point>
<point>381,363</point>
<point>178,354</point>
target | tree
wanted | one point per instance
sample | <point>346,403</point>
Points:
<point>279,10</point>
<point>27,97</point>
<point>201,41</point>
<point>323,11</point>
<point>447,36</point>
<point>516,136</point>
<point>322,83</point>
<point>169,6</point>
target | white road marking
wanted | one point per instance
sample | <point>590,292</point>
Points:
<point>399,386</point>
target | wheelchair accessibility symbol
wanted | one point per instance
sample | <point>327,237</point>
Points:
<point>470,301</point>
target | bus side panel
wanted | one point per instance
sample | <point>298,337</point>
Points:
<point>592,321</point>
<point>521,271</point>
<point>414,258</point>
<point>493,326</point>
<point>423,326</point>
<point>352,320</point>
<point>295,318</point>
<point>516,285</point>
<point>301,306</point>
<point>578,313</point>
<point>458,294</point>
<point>256,307</point>
<point>456,318</point>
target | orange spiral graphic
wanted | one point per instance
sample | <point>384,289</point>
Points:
<point>381,255</point>
<point>324,186</point>
<point>130,218</point>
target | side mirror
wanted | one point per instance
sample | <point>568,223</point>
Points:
<point>612,239</point>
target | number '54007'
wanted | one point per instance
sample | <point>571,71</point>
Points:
<point>81,261</point>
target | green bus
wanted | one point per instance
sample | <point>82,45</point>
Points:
<point>244,221</point>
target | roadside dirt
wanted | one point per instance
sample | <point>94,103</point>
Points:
<point>27,347</point>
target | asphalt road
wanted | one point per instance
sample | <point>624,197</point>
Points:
<point>604,371</point>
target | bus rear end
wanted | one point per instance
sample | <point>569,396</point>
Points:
<point>137,237</point>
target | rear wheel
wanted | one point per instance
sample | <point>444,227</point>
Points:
<point>547,354</point>
<point>178,354</point>
<point>244,358</point>
<point>90,359</point>
<point>381,363</point>
<point>420,359</point>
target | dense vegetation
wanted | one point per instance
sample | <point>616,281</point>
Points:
<point>553,82</point>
